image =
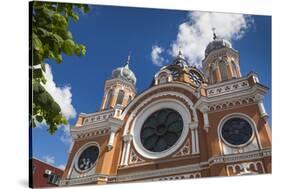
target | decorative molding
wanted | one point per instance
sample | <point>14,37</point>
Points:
<point>231,104</point>
<point>252,145</point>
<point>187,169</point>
<point>245,168</point>
<point>94,128</point>
<point>121,82</point>
<point>142,116</point>
<point>185,150</point>
<point>84,180</point>
<point>87,134</point>
<point>177,177</point>
<point>165,92</point>
<point>97,117</point>
<point>229,88</point>
<point>134,158</point>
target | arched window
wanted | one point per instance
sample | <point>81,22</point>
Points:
<point>163,78</point>
<point>211,74</point>
<point>223,70</point>
<point>234,69</point>
<point>120,97</point>
<point>108,98</point>
<point>130,98</point>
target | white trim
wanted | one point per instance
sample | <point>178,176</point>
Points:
<point>147,111</point>
<point>78,153</point>
<point>242,116</point>
<point>173,85</point>
<point>224,159</point>
<point>173,170</point>
<point>155,95</point>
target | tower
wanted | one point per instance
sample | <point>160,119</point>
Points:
<point>221,62</point>
<point>120,89</point>
<point>97,136</point>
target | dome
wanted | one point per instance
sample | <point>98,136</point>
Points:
<point>125,73</point>
<point>217,44</point>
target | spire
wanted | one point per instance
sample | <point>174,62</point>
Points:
<point>214,34</point>
<point>128,60</point>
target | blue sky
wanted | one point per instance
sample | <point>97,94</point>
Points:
<point>110,33</point>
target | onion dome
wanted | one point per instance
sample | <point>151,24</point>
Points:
<point>217,44</point>
<point>125,73</point>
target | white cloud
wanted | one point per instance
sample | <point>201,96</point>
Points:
<point>156,57</point>
<point>62,167</point>
<point>62,95</point>
<point>194,35</point>
<point>66,137</point>
<point>49,159</point>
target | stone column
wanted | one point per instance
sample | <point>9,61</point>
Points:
<point>104,102</point>
<point>229,71</point>
<point>114,97</point>
<point>218,74</point>
<point>263,113</point>
<point>126,150</point>
<point>204,110</point>
<point>194,137</point>
<point>111,139</point>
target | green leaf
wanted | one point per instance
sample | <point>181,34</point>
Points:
<point>83,49</point>
<point>37,73</point>
<point>39,118</point>
<point>75,17</point>
<point>51,38</point>
<point>36,42</point>
<point>68,47</point>
<point>58,59</point>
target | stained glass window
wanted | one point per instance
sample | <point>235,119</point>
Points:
<point>88,158</point>
<point>161,130</point>
<point>237,131</point>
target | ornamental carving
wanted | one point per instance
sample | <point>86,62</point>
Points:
<point>185,150</point>
<point>231,104</point>
<point>134,158</point>
<point>230,88</point>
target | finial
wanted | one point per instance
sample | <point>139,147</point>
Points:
<point>180,55</point>
<point>128,59</point>
<point>180,52</point>
<point>214,34</point>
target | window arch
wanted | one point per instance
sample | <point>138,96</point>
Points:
<point>234,69</point>
<point>120,97</point>
<point>211,74</point>
<point>163,78</point>
<point>223,70</point>
<point>130,98</point>
<point>108,99</point>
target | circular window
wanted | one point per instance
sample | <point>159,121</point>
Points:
<point>87,158</point>
<point>161,130</point>
<point>236,131</point>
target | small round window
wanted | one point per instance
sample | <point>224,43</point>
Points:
<point>236,131</point>
<point>161,130</point>
<point>87,158</point>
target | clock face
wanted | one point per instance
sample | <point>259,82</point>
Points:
<point>195,78</point>
<point>161,130</point>
<point>237,131</point>
<point>175,73</point>
<point>88,158</point>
